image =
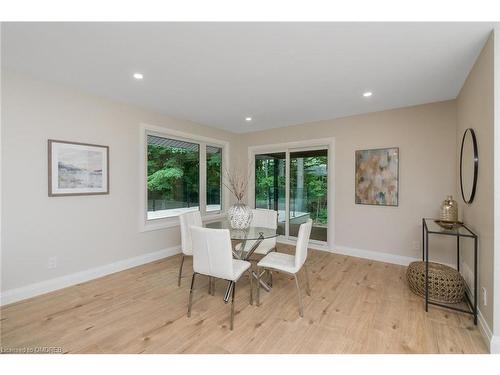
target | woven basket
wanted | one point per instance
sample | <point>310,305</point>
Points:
<point>445,283</point>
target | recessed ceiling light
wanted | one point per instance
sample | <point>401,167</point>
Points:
<point>367,94</point>
<point>248,119</point>
<point>138,76</point>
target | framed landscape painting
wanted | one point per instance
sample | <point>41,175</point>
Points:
<point>377,177</point>
<point>77,168</point>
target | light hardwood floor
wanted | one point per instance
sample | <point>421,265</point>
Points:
<point>357,306</point>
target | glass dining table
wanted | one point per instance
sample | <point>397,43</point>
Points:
<point>253,234</point>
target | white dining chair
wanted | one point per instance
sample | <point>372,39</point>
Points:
<point>290,264</point>
<point>213,257</point>
<point>187,220</point>
<point>266,219</point>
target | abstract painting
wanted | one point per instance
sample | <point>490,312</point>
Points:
<point>377,177</point>
<point>77,168</point>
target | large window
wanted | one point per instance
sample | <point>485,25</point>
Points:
<point>175,169</point>
<point>173,177</point>
<point>214,178</point>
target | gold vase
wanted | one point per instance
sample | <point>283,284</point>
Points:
<point>449,209</point>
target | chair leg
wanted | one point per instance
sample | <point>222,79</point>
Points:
<point>258,286</point>
<point>211,285</point>
<point>275,249</point>
<point>301,309</point>
<point>232,307</point>
<point>180,271</point>
<point>251,285</point>
<point>191,295</point>
<point>308,286</point>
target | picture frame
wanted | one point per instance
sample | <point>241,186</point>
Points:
<point>76,168</point>
<point>377,177</point>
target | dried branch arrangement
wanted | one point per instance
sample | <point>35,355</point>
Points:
<point>236,182</point>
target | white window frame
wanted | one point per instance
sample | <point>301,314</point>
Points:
<point>328,143</point>
<point>173,221</point>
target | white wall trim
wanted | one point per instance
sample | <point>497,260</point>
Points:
<point>492,342</point>
<point>323,246</point>
<point>374,255</point>
<point>32,290</point>
<point>483,326</point>
<point>358,253</point>
<point>485,330</point>
<point>495,345</point>
<point>175,222</point>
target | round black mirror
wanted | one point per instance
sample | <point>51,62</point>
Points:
<point>468,166</point>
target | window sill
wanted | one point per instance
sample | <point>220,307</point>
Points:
<point>171,222</point>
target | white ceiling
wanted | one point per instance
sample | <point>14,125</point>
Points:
<point>278,73</point>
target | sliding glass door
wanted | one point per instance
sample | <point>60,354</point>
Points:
<point>270,185</point>
<point>309,192</point>
<point>294,183</point>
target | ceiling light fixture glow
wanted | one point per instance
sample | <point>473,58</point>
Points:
<point>367,94</point>
<point>248,119</point>
<point>138,76</point>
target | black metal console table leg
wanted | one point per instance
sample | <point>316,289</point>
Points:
<point>423,245</point>
<point>458,253</point>
<point>426,247</point>
<point>475,280</point>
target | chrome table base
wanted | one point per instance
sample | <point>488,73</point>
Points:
<point>245,256</point>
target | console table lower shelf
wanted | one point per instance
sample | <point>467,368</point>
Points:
<point>430,226</point>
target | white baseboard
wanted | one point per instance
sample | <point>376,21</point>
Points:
<point>311,245</point>
<point>485,330</point>
<point>495,345</point>
<point>374,255</point>
<point>366,254</point>
<point>32,290</point>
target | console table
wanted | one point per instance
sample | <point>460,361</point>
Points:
<point>429,226</point>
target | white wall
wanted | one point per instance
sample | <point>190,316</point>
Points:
<point>82,232</point>
<point>495,344</point>
<point>475,110</point>
<point>426,137</point>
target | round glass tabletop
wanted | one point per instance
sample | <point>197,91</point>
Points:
<point>251,233</point>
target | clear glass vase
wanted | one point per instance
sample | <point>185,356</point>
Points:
<point>449,209</point>
<point>239,216</point>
